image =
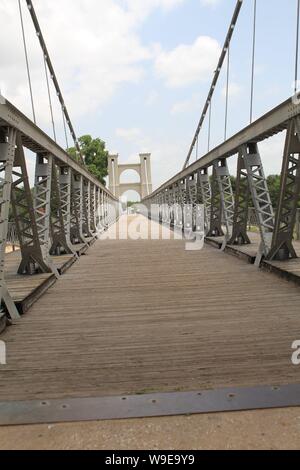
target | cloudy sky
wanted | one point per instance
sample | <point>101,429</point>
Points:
<point>136,72</point>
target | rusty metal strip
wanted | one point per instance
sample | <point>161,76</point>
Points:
<point>138,406</point>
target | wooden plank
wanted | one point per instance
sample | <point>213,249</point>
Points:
<point>135,317</point>
<point>26,290</point>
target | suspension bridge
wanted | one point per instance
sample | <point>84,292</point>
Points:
<point>103,326</point>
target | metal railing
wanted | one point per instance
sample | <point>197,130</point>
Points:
<point>253,222</point>
<point>12,237</point>
<point>208,181</point>
<point>297,230</point>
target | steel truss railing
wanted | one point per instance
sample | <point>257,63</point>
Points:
<point>67,205</point>
<point>226,213</point>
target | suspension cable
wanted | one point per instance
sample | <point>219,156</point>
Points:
<point>209,127</point>
<point>253,61</point>
<point>50,100</point>
<point>53,77</point>
<point>216,77</point>
<point>65,128</point>
<point>27,61</point>
<point>297,47</point>
<point>227,93</point>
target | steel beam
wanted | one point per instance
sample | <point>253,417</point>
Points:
<point>32,261</point>
<point>92,209</point>
<point>193,198</point>
<point>270,124</point>
<point>65,185</point>
<point>215,229</point>
<point>205,192</point>
<point>260,197</point>
<point>77,235</point>
<point>282,243</point>
<point>7,156</point>
<point>226,196</point>
<point>60,243</point>
<point>42,205</point>
<point>39,142</point>
<point>228,399</point>
<point>241,206</point>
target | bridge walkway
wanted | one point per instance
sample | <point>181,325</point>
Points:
<point>136,317</point>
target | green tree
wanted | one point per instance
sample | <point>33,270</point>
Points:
<point>274,188</point>
<point>95,155</point>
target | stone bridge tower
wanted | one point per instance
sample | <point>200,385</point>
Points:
<point>143,188</point>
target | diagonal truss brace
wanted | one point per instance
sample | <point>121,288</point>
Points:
<point>181,201</point>
<point>241,206</point>
<point>60,225</point>
<point>65,188</point>
<point>260,197</point>
<point>42,205</point>
<point>7,155</point>
<point>282,246</point>
<point>86,209</point>
<point>215,229</point>
<point>204,195</point>
<point>92,208</point>
<point>77,235</point>
<point>32,260</point>
<point>226,195</point>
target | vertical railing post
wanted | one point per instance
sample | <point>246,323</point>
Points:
<point>215,229</point>
<point>289,197</point>
<point>241,206</point>
<point>65,187</point>
<point>77,235</point>
<point>260,197</point>
<point>298,225</point>
<point>204,190</point>
<point>226,196</point>
<point>7,155</point>
<point>90,205</point>
<point>42,204</point>
<point>86,206</point>
<point>60,232</point>
<point>33,259</point>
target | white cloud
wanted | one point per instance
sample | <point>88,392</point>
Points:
<point>187,105</point>
<point>152,98</point>
<point>187,64</point>
<point>210,3</point>
<point>234,90</point>
<point>130,135</point>
<point>94,46</point>
<point>271,151</point>
<point>142,8</point>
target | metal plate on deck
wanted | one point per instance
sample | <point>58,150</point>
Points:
<point>139,406</point>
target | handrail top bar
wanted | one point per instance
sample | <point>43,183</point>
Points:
<point>271,123</point>
<point>36,140</point>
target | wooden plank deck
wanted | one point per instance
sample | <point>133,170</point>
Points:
<point>289,270</point>
<point>135,317</point>
<point>26,290</point>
